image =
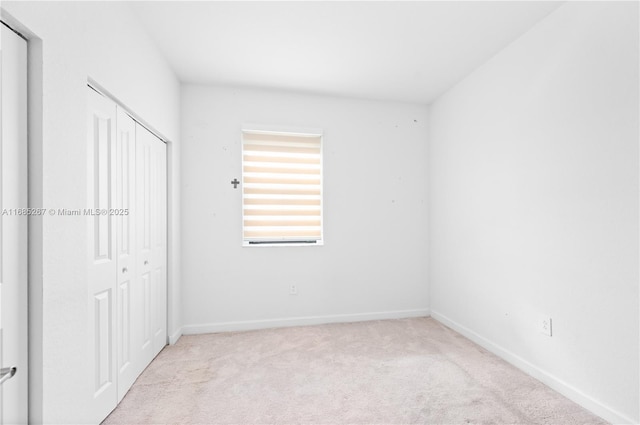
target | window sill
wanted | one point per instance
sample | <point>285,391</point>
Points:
<point>277,244</point>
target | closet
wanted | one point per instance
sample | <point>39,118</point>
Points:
<point>127,245</point>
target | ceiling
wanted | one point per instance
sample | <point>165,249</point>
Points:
<point>391,50</point>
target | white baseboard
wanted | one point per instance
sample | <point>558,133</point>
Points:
<point>300,321</point>
<point>174,337</point>
<point>543,376</point>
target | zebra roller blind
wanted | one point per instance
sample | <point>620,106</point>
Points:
<point>282,188</point>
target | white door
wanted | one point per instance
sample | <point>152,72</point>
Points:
<point>13,229</point>
<point>126,251</point>
<point>144,275</point>
<point>124,212</point>
<point>151,269</point>
<point>101,253</point>
<point>159,244</point>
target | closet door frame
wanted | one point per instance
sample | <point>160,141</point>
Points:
<point>13,228</point>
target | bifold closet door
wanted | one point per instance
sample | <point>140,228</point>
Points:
<point>128,295</point>
<point>126,250</point>
<point>151,243</point>
<point>102,259</point>
<point>159,243</point>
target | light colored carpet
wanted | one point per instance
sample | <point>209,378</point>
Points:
<point>383,372</point>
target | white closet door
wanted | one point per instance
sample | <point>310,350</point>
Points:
<point>159,247</point>
<point>144,275</point>
<point>13,228</point>
<point>125,246</point>
<point>151,216</point>
<point>102,259</point>
<point>127,250</point>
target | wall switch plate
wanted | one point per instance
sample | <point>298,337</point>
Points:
<point>546,326</point>
<point>293,290</point>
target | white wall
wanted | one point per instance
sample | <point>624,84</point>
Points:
<point>372,264</point>
<point>70,42</point>
<point>533,176</point>
<point>534,204</point>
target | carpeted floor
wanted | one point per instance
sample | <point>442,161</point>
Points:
<point>381,372</point>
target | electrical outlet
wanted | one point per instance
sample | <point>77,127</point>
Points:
<point>293,290</point>
<point>546,326</point>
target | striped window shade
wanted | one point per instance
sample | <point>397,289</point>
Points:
<point>282,188</point>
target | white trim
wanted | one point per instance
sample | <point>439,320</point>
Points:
<point>247,325</point>
<point>174,337</point>
<point>543,376</point>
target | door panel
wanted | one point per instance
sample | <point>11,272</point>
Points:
<point>144,212</point>
<point>152,222</point>
<point>124,334</point>
<point>159,250</point>
<point>13,246</point>
<point>146,313</point>
<point>103,341</point>
<point>102,260</point>
<point>125,241</point>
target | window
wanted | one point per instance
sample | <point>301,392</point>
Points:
<point>282,188</point>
